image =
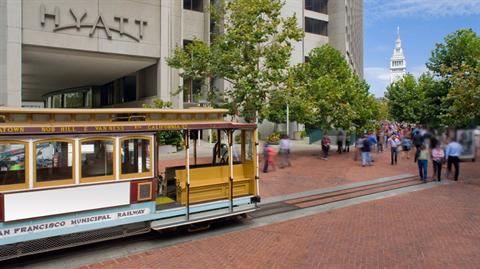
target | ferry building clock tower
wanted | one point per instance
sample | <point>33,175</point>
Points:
<point>398,64</point>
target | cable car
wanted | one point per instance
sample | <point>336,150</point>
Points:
<point>70,177</point>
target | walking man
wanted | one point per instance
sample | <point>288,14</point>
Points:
<point>394,142</point>
<point>422,160</point>
<point>452,153</point>
<point>285,151</point>
<point>340,138</point>
<point>366,148</point>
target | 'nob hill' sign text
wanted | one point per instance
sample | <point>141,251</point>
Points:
<point>98,22</point>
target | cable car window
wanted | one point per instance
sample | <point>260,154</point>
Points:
<point>54,161</point>
<point>12,164</point>
<point>97,158</point>
<point>135,156</point>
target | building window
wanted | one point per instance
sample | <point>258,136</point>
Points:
<point>195,5</point>
<point>54,163</point>
<point>191,90</point>
<point>97,159</point>
<point>13,163</point>
<point>316,26</point>
<point>135,157</point>
<point>320,6</point>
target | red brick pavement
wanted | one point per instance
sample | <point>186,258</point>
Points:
<point>309,172</point>
<point>435,228</point>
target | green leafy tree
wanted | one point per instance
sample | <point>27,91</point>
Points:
<point>252,54</point>
<point>455,64</point>
<point>406,101</point>
<point>327,94</point>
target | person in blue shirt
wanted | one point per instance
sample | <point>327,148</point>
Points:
<point>452,154</point>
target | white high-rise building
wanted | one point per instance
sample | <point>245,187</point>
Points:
<point>398,64</point>
<point>111,53</point>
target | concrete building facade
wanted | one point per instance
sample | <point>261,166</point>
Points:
<point>111,53</point>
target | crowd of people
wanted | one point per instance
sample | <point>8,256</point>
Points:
<point>396,138</point>
<point>404,137</point>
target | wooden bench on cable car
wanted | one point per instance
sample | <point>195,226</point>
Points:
<point>212,183</point>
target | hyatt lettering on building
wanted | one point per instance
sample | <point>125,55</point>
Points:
<point>78,22</point>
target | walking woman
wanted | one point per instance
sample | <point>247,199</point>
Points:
<point>422,160</point>
<point>438,157</point>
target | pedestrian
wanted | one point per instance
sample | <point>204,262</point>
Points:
<point>347,143</point>
<point>340,138</point>
<point>285,151</point>
<point>438,158</point>
<point>394,142</point>
<point>268,154</point>
<point>452,154</point>
<point>406,146</point>
<point>422,161</point>
<point>325,147</point>
<point>372,137</point>
<point>366,148</point>
<point>381,141</point>
<point>358,148</point>
<point>418,142</point>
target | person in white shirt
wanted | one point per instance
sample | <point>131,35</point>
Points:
<point>285,151</point>
<point>452,154</point>
<point>394,142</point>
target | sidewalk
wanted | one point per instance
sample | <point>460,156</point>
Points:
<point>435,228</point>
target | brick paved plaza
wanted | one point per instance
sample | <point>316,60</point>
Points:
<point>434,228</point>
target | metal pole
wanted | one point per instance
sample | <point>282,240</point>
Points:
<point>288,121</point>
<point>230,163</point>
<point>187,168</point>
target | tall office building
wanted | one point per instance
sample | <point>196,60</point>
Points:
<point>111,53</point>
<point>398,63</point>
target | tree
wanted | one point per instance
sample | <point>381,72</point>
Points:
<point>252,54</point>
<point>405,100</point>
<point>327,94</point>
<point>456,65</point>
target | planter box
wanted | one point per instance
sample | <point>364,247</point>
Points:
<point>165,149</point>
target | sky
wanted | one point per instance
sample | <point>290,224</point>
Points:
<point>423,23</point>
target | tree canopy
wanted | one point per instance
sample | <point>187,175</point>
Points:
<point>252,53</point>
<point>449,93</point>
<point>325,93</point>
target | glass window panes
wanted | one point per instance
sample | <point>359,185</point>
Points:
<point>316,26</point>
<point>12,164</point>
<point>317,5</point>
<point>135,156</point>
<point>54,161</point>
<point>97,158</point>
<point>74,99</point>
<point>196,5</point>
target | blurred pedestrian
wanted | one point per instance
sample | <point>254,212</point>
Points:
<point>340,138</point>
<point>268,154</point>
<point>422,161</point>
<point>366,148</point>
<point>452,153</point>
<point>325,147</point>
<point>406,146</point>
<point>394,142</point>
<point>438,158</point>
<point>284,151</point>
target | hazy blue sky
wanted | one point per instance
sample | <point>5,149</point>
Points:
<point>423,23</point>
